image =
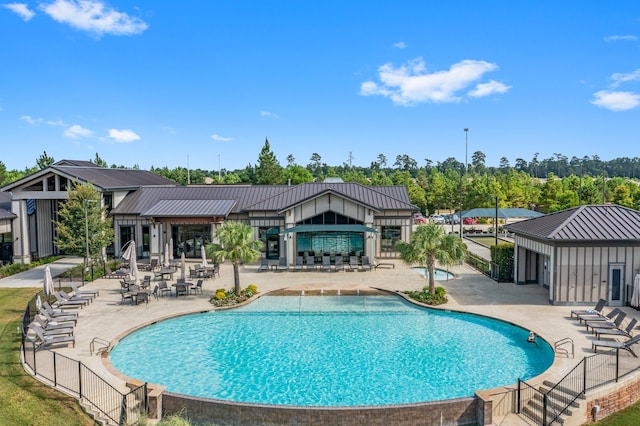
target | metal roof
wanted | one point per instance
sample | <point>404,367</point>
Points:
<point>266,197</point>
<point>337,228</point>
<point>6,214</point>
<point>605,222</point>
<point>187,208</point>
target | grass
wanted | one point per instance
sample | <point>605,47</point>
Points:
<point>24,400</point>
<point>627,417</point>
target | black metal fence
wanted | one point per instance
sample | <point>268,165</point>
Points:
<point>544,408</point>
<point>76,379</point>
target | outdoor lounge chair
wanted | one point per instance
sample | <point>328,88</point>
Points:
<point>366,264</point>
<point>353,263</point>
<point>339,263</point>
<point>282,264</point>
<point>264,264</point>
<point>311,262</point>
<point>75,297</point>
<point>613,344</point>
<point>52,340</point>
<point>108,273</point>
<point>52,325</point>
<point>83,292</point>
<point>596,309</point>
<point>599,317</point>
<point>616,331</point>
<point>57,314</point>
<point>63,302</point>
<point>326,263</point>
<point>607,324</point>
<point>298,265</point>
<point>50,332</point>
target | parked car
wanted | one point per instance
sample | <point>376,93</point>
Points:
<point>436,218</point>
<point>418,218</point>
<point>452,218</point>
<point>470,221</point>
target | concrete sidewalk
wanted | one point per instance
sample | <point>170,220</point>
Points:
<point>34,277</point>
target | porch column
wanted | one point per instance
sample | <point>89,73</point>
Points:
<point>21,250</point>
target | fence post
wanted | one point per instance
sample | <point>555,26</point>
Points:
<point>80,379</point>
<point>123,410</point>
<point>519,381</point>
<point>544,409</point>
<point>584,375</point>
<point>617,364</point>
<point>55,370</point>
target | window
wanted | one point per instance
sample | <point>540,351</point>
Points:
<point>389,238</point>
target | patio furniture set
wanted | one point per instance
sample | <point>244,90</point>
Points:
<point>310,263</point>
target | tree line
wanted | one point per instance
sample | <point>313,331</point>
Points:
<point>546,185</point>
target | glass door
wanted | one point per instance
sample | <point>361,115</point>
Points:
<point>616,278</point>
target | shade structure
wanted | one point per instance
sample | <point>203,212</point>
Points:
<point>183,266</point>
<point>635,297</point>
<point>47,285</point>
<point>204,256</point>
<point>167,260</point>
<point>133,262</point>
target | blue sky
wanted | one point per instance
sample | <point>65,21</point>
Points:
<point>159,83</point>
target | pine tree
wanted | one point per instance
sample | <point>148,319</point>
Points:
<point>268,171</point>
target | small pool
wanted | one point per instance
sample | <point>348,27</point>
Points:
<point>438,274</point>
<point>330,351</point>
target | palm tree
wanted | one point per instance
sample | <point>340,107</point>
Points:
<point>237,245</point>
<point>430,243</point>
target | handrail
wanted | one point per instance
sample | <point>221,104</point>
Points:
<point>557,349</point>
<point>101,349</point>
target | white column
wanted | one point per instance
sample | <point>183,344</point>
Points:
<point>21,250</point>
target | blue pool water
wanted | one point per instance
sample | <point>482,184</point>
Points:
<point>438,274</point>
<point>330,351</point>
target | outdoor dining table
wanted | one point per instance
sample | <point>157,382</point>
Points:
<point>135,294</point>
<point>167,273</point>
<point>185,287</point>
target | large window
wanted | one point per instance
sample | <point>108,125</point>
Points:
<point>331,243</point>
<point>190,238</point>
<point>389,238</point>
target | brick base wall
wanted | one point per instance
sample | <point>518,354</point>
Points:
<point>611,401</point>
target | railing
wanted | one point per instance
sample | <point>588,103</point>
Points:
<point>76,379</point>
<point>559,348</point>
<point>478,263</point>
<point>591,372</point>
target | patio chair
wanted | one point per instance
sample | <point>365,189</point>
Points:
<point>353,263</point>
<point>613,344</point>
<point>49,332</point>
<point>126,295</point>
<point>596,309</point>
<point>52,325</point>
<point>155,292</point>
<point>57,313</point>
<point>192,273</point>
<point>52,340</point>
<point>616,331</point>
<point>366,264</point>
<point>339,263</point>
<point>164,288</point>
<point>599,317</point>
<point>311,262</point>
<point>607,324</point>
<point>282,264</point>
<point>75,297</point>
<point>83,292</point>
<point>142,296</point>
<point>299,263</point>
<point>154,264</point>
<point>181,289</point>
<point>62,301</point>
<point>264,265</point>
<point>197,287</point>
<point>326,263</point>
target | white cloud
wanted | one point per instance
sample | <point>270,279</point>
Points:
<point>76,131</point>
<point>619,78</point>
<point>123,136</point>
<point>29,119</point>
<point>621,37</point>
<point>20,9</point>
<point>268,114</point>
<point>400,45</point>
<point>413,83</point>
<point>616,101</point>
<point>216,137</point>
<point>490,88</point>
<point>57,123</point>
<point>93,16</point>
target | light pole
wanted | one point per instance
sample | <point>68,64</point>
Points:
<point>466,147</point>
<point>86,236</point>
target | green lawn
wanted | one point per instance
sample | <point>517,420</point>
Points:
<point>627,417</point>
<point>24,400</point>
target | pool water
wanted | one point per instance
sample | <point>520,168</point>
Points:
<point>330,351</point>
<point>438,274</point>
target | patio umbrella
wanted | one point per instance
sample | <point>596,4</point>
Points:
<point>133,262</point>
<point>38,302</point>
<point>635,298</point>
<point>130,247</point>
<point>48,282</point>
<point>182,266</point>
<point>170,249</point>
<point>204,256</point>
<point>166,255</point>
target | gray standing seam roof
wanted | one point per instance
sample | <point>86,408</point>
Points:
<point>585,223</point>
<point>186,208</point>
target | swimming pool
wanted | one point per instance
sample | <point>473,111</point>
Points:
<point>438,274</point>
<point>330,351</point>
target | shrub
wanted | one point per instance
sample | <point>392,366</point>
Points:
<point>438,298</point>
<point>229,297</point>
<point>220,295</point>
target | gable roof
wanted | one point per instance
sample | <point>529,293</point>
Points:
<point>192,208</point>
<point>103,178</point>
<point>605,222</point>
<point>261,197</point>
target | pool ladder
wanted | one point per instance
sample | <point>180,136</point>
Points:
<point>560,349</point>
<point>103,346</point>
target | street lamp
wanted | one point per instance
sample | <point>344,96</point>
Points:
<point>466,145</point>
<point>86,236</point>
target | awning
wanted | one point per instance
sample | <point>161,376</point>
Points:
<point>336,228</point>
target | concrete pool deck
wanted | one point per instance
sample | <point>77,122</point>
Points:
<point>470,291</point>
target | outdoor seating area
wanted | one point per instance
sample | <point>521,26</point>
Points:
<point>326,263</point>
<point>608,327</point>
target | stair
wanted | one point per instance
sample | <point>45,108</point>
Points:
<point>534,407</point>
